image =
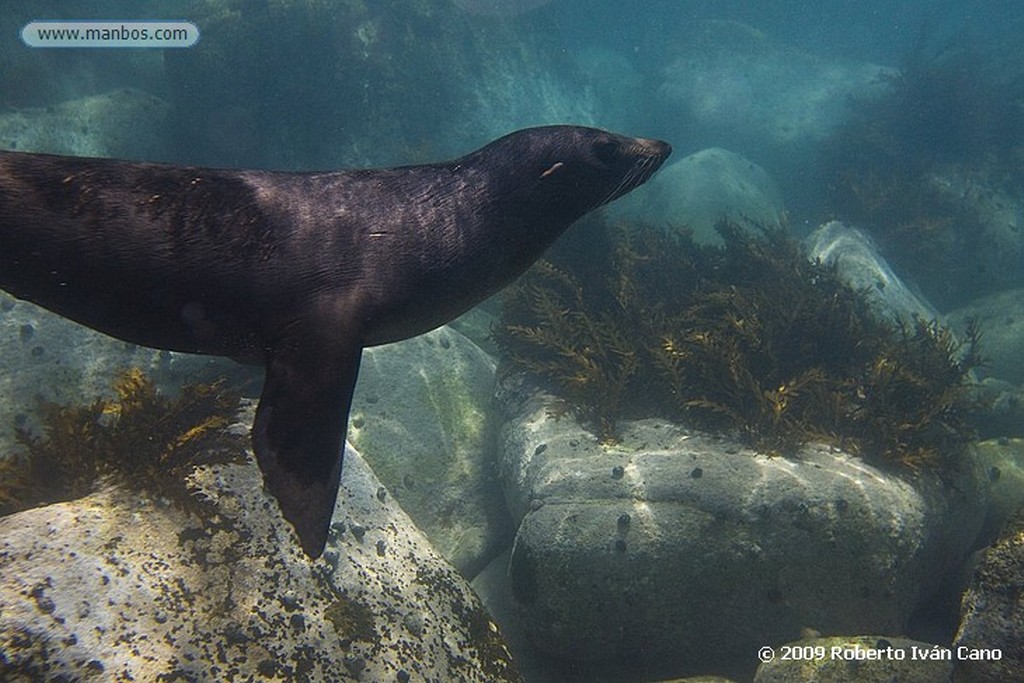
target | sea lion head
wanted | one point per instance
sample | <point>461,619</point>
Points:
<point>574,169</point>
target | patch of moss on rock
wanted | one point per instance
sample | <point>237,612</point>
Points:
<point>352,620</point>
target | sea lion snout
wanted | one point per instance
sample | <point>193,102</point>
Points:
<point>654,148</point>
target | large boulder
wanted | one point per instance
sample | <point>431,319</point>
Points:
<point>685,552</point>
<point>125,123</point>
<point>360,83</point>
<point>117,585</point>
<point>703,189</point>
<point>420,418</point>
<point>46,357</point>
<point>419,412</point>
<point>1001,317</point>
<point>859,264</point>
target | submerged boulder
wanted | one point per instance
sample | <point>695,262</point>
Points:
<point>125,123</point>
<point>120,586</point>
<point>46,357</point>
<point>732,81</point>
<point>703,189</point>
<point>1001,317</point>
<point>856,257</point>
<point>419,417</point>
<point>684,552</point>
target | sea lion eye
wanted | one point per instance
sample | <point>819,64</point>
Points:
<point>607,151</point>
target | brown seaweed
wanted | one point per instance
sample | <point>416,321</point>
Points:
<point>751,339</point>
<point>140,439</point>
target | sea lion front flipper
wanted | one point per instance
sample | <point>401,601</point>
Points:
<point>299,432</point>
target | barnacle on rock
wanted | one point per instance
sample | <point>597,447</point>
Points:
<point>139,439</point>
<point>750,338</point>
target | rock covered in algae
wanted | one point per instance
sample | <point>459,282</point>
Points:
<point>123,587</point>
<point>992,624</point>
<point>690,552</point>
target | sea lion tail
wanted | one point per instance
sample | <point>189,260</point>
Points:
<point>299,431</point>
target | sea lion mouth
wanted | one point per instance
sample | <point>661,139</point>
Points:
<point>649,156</point>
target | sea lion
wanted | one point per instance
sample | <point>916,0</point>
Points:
<point>298,271</point>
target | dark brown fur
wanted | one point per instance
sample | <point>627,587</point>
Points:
<point>298,271</point>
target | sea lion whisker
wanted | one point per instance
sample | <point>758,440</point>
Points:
<point>633,178</point>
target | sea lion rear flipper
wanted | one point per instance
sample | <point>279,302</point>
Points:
<point>299,432</point>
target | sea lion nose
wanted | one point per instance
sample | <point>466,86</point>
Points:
<point>654,148</point>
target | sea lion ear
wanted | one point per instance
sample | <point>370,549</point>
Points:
<point>557,166</point>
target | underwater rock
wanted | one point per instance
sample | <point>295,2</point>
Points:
<point>78,364</point>
<point>118,586</point>
<point>369,83</point>
<point>857,659</point>
<point>1003,461</point>
<point>425,432</point>
<point>710,567</point>
<point>1003,415</point>
<point>701,190</point>
<point>419,418</point>
<point>991,618</point>
<point>1001,317</point>
<point>987,245</point>
<point>126,123</point>
<point>736,83</point>
<point>863,268</point>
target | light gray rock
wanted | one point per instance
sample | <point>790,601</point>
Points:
<point>118,586</point>
<point>1003,414</point>
<point>1001,316</point>
<point>1003,460</point>
<point>735,82</point>
<point>44,356</point>
<point>419,415</point>
<point>125,123</point>
<point>863,268</point>
<point>677,547</point>
<point>987,230</point>
<point>700,190</point>
<point>420,418</point>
